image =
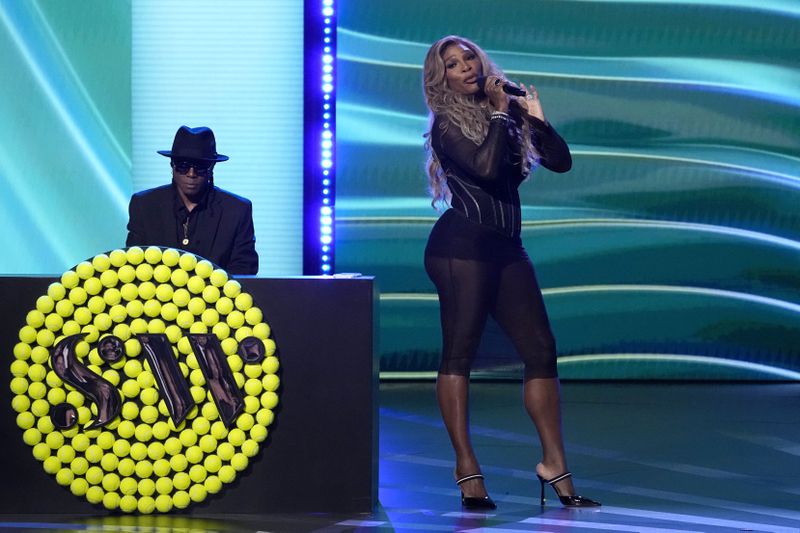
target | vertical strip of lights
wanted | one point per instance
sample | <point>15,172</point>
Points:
<point>320,137</point>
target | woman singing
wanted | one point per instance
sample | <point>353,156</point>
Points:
<point>482,145</point>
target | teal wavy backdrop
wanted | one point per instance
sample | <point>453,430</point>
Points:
<point>65,131</point>
<point>671,250</point>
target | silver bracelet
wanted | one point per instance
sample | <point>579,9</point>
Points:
<point>499,114</point>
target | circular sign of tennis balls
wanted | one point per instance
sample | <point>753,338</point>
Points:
<point>140,461</point>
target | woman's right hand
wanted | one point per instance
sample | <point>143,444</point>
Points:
<point>494,90</point>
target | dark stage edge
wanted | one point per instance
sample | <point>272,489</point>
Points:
<point>661,457</point>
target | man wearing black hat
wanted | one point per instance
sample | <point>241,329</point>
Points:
<point>191,213</point>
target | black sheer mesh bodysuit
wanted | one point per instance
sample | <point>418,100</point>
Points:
<point>474,254</point>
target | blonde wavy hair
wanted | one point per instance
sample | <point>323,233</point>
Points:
<point>470,114</point>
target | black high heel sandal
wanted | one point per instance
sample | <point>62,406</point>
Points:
<point>566,501</point>
<point>474,502</point>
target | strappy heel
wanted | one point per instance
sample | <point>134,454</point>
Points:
<point>566,501</point>
<point>474,502</point>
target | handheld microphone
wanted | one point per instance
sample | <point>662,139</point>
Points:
<point>508,87</point>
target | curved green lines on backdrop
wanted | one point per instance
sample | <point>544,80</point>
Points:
<point>64,161</point>
<point>678,219</point>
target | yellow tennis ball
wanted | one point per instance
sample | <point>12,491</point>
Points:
<point>94,495</point>
<point>21,403</point>
<point>127,274</point>
<point>253,315</point>
<point>235,319</point>
<point>196,306</point>
<point>229,346</point>
<point>224,305</point>
<point>77,295</point>
<point>210,317</point>
<point>143,468</point>
<point>204,268</point>
<point>184,319</point>
<point>85,270</point>
<point>188,262</point>
<point>34,318</point>
<point>179,278</point>
<point>65,477</point>
<point>79,486</point>
<point>162,273</point>
<point>129,292</point>
<point>26,420</point>
<point>164,503</point>
<point>258,433</point>
<point>197,473</point>
<point>164,292</point>
<point>178,462</point>
<point>152,308</point>
<point>56,291</point>
<point>37,390</point>
<point>156,326</point>
<point>143,432</point>
<point>250,448</point>
<point>111,500</point>
<point>197,493</point>
<point>112,296</point>
<point>253,387</point>
<point>135,255</point>
<point>147,290</point>
<point>169,311</point>
<point>126,467</point>
<point>110,481</point>
<point>64,308</point>
<point>212,484</point>
<point>132,346</point>
<point>144,272</point>
<point>194,454</point>
<point>109,278</point>
<point>181,297</point>
<point>153,255</point>
<point>83,316</point>
<point>146,487</point>
<point>211,294</point>
<point>239,461</point>
<point>134,308</point>
<point>19,368</point>
<point>45,304</point>
<point>173,331</point>
<point>138,325</point>
<point>218,278</point>
<point>96,305</point>
<point>70,279</point>
<point>227,474</point>
<point>270,382</point>
<point>222,330</point>
<point>269,400</point>
<point>269,347</point>
<point>128,503</point>
<point>117,258</point>
<point>232,288</point>
<point>243,301</point>
<point>93,286</point>
<point>218,430</point>
<point>41,451</point>
<point>79,466</point>
<point>170,257</point>
<point>212,463</point>
<point>208,444</point>
<point>242,333</point>
<point>181,499</point>
<point>195,284</point>
<point>101,262</point>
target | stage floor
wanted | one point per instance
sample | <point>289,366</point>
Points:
<point>661,457</point>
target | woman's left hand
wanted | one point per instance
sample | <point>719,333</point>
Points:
<point>531,103</point>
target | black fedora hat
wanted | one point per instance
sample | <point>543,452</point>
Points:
<point>194,143</point>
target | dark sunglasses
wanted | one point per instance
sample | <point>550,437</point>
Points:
<point>201,168</point>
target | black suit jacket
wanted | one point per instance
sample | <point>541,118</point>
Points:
<point>224,233</point>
